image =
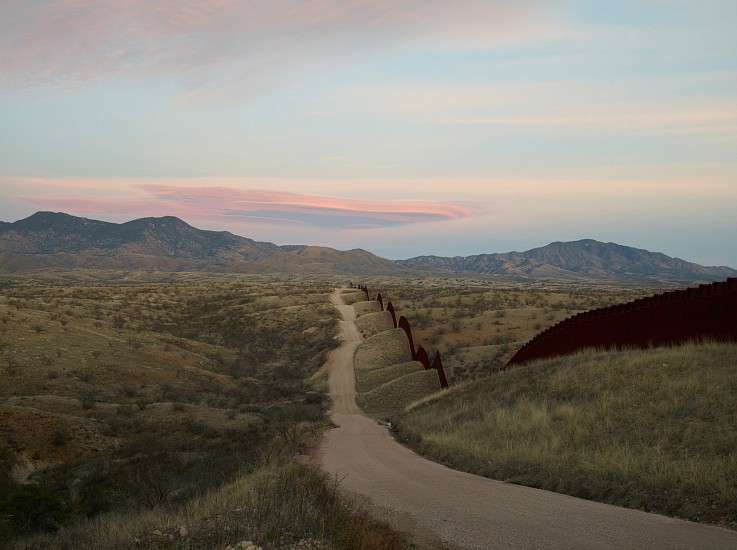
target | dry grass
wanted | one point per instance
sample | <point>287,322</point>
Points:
<point>371,324</point>
<point>276,505</point>
<point>477,325</point>
<point>372,379</point>
<point>653,429</point>
<point>386,379</point>
<point>352,297</point>
<point>390,399</point>
<point>386,348</point>
<point>362,308</point>
<point>138,402</point>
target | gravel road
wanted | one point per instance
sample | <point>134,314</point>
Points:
<point>441,508</point>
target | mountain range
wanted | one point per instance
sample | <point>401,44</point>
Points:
<point>48,240</point>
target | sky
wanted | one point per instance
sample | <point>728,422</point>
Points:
<point>403,127</point>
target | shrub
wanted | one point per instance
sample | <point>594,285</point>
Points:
<point>125,409</point>
<point>118,322</point>
<point>32,508</point>
<point>87,398</point>
<point>59,437</point>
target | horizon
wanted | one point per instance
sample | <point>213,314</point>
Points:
<point>387,258</point>
<point>405,129</point>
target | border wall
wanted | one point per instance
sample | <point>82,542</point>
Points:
<point>419,353</point>
<point>708,311</point>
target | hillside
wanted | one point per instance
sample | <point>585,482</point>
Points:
<point>49,233</point>
<point>323,260</point>
<point>645,429</point>
<point>168,415</point>
<point>578,260</point>
<point>48,240</point>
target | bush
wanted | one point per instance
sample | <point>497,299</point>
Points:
<point>60,437</point>
<point>32,508</point>
<point>87,398</point>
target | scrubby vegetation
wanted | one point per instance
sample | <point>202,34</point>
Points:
<point>167,411</point>
<point>648,429</point>
<point>477,325</point>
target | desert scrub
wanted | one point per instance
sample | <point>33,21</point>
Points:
<point>654,429</point>
<point>196,380</point>
<point>447,314</point>
<point>275,505</point>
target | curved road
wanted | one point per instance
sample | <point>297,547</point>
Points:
<point>442,508</point>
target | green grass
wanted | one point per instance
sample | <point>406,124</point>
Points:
<point>653,429</point>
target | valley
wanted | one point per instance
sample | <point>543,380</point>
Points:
<point>149,406</point>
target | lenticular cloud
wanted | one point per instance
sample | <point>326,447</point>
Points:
<point>318,210</point>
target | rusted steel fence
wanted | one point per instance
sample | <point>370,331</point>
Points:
<point>418,354</point>
<point>708,311</point>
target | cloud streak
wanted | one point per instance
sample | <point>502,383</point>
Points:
<point>562,104</point>
<point>236,205</point>
<point>230,49</point>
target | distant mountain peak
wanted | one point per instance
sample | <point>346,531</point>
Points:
<point>585,259</point>
<point>57,239</point>
<point>167,236</point>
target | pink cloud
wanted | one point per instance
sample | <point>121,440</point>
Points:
<point>236,205</point>
<point>211,45</point>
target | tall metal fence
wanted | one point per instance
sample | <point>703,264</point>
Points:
<point>419,353</point>
<point>706,312</point>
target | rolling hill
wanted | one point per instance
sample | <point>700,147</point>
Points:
<point>48,240</point>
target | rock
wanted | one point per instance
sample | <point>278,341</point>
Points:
<point>182,531</point>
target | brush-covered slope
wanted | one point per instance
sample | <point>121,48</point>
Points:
<point>650,429</point>
<point>58,233</point>
<point>585,259</point>
<point>323,260</point>
<point>58,240</point>
<point>48,240</point>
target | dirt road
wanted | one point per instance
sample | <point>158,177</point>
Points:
<point>442,508</point>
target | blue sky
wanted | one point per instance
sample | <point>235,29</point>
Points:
<point>405,128</point>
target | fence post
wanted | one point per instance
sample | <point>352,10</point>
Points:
<point>404,324</point>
